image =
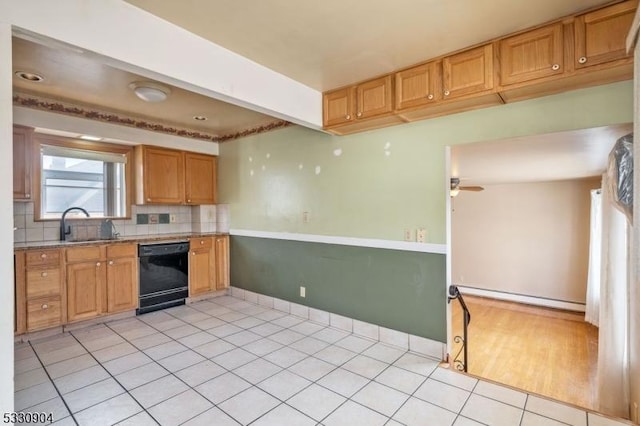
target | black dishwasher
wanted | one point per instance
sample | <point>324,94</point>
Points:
<point>164,275</point>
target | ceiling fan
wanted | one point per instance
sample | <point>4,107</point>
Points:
<point>456,188</point>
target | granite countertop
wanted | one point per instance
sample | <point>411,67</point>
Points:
<point>125,239</point>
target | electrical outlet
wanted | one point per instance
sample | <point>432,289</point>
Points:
<point>407,235</point>
<point>421,235</point>
<point>303,291</point>
<point>305,217</point>
<point>172,218</point>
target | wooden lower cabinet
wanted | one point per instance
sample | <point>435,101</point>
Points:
<point>201,266</point>
<point>122,277</point>
<point>222,262</point>
<point>85,290</point>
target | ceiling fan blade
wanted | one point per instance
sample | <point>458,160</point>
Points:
<point>471,188</point>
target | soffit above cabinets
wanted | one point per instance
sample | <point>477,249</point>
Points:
<point>80,84</point>
<point>331,43</point>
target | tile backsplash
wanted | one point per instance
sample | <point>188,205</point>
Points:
<point>145,220</point>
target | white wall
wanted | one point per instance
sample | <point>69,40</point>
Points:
<point>529,238</point>
<point>6,223</point>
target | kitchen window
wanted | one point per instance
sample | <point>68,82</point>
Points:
<point>93,176</point>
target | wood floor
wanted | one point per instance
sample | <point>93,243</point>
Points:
<point>544,351</point>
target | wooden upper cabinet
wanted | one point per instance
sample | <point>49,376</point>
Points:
<point>374,97</point>
<point>22,161</point>
<point>200,178</point>
<point>338,106</point>
<point>418,86</point>
<point>601,35</point>
<point>162,176</point>
<point>468,72</point>
<point>531,55</point>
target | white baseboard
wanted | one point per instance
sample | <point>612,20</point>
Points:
<point>417,344</point>
<point>521,298</point>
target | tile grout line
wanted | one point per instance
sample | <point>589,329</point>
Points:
<point>71,414</point>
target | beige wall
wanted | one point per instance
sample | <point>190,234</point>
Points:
<point>528,238</point>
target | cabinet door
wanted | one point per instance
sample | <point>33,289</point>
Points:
<point>85,290</point>
<point>374,97</point>
<point>222,263</point>
<point>163,172</point>
<point>201,265</point>
<point>534,54</point>
<point>200,178</point>
<point>337,106</point>
<point>22,160</point>
<point>601,35</point>
<point>418,86</point>
<point>122,284</point>
<point>468,73</point>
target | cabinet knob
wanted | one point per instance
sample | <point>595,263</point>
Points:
<point>359,114</point>
<point>111,262</point>
<point>188,201</point>
<point>201,242</point>
<point>582,60</point>
<point>430,96</point>
<point>27,196</point>
<point>348,117</point>
<point>148,199</point>
<point>44,274</point>
<point>98,264</point>
<point>43,256</point>
<point>45,306</point>
<point>555,67</point>
<point>446,93</point>
<point>193,253</point>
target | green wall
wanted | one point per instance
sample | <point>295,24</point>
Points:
<point>365,192</point>
<point>400,290</point>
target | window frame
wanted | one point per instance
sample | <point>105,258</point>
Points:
<point>40,139</point>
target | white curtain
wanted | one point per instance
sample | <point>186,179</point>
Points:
<point>592,312</point>
<point>613,343</point>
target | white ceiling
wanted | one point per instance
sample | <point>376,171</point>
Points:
<point>330,43</point>
<point>554,156</point>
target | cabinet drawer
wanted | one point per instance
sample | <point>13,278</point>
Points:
<point>42,257</point>
<point>43,313</point>
<point>85,253</point>
<point>43,282</point>
<point>122,250</point>
<point>200,243</point>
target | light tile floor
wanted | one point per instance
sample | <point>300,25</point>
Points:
<point>225,361</point>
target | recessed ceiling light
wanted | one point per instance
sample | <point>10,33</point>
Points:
<point>29,76</point>
<point>200,117</point>
<point>90,138</point>
<point>150,91</point>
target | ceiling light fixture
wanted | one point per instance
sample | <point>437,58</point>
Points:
<point>29,76</point>
<point>200,118</point>
<point>90,138</point>
<point>149,91</point>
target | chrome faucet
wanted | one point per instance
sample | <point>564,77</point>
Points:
<point>64,231</point>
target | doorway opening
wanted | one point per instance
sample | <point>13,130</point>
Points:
<point>519,250</point>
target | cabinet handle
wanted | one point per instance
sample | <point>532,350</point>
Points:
<point>98,264</point>
<point>446,93</point>
<point>430,96</point>
<point>44,274</point>
<point>45,306</point>
<point>582,60</point>
<point>359,114</point>
<point>43,256</point>
<point>111,262</point>
<point>348,117</point>
<point>555,67</point>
